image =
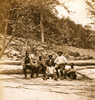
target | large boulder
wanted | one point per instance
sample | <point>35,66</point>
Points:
<point>40,48</point>
<point>72,58</point>
<point>74,53</point>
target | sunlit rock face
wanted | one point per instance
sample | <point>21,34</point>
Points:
<point>76,10</point>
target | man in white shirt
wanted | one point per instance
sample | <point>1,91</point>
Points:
<point>60,62</point>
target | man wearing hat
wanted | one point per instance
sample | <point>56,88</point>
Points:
<point>50,65</point>
<point>26,64</point>
<point>71,72</point>
<point>60,62</point>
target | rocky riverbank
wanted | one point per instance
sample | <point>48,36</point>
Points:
<point>18,46</point>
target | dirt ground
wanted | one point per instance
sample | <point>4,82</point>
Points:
<point>15,87</point>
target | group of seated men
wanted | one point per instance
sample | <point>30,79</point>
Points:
<point>50,67</point>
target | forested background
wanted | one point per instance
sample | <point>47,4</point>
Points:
<point>37,20</point>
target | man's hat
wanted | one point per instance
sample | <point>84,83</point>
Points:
<point>50,56</point>
<point>40,56</point>
<point>59,52</point>
<point>26,52</point>
<point>72,64</point>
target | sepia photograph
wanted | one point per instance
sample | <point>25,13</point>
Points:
<point>47,49</point>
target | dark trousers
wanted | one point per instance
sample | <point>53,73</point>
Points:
<point>72,75</point>
<point>42,69</point>
<point>30,67</point>
<point>61,67</point>
<point>38,69</point>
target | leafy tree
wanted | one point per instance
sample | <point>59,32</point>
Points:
<point>4,7</point>
<point>91,40</point>
<point>91,11</point>
<point>34,11</point>
<point>16,19</point>
<point>91,7</point>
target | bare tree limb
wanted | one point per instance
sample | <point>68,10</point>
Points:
<point>4,47</point>
<point>84,76</point>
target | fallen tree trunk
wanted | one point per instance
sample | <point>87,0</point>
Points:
<point>85,67</point>
<point>76,63</point>
<point>82,63</point>
<point>10,63</point>
<point>11,69</point>
<point>86,77</point>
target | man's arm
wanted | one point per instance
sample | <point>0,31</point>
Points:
<point>56,60</point>
<point>31,61</point>
<point>71,70</point>
<point>53,62</point>
<point>46,63</point>
<point>23,62</point>
<point>65,59</point>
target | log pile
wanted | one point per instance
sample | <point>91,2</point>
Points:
<point>15,67</point>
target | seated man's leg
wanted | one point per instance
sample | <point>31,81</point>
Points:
<point>68,75</point>
<point>32,71</point>
<point>51,72</point>
<point>73,75</point>
<point>56,68</point>
<point>30,67</point>
<point>44,71</point>
<point>38,71</point>
<point>48,72</point>
<point>55,77</point>
<point>61,70</point>
<point>24,70</point>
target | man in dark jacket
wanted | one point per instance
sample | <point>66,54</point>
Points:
<point>27,65</point>
<point>50,61</point>
<point>41,68</point>
<point>50,66</point>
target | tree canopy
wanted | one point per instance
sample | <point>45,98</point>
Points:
<point>36,19</point>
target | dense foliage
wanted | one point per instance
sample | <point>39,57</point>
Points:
<point>25,20</point>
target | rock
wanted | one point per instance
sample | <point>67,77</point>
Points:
<point>6,52</point>
<point>91,57</point>
<point>86,57</point>
<point>74,53</point>
<point>78,58</point>
<point>40,48</point>
<point>13,43</point>
<point>71,57</point>
<point>81,54</point>
<point>14,52</point>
